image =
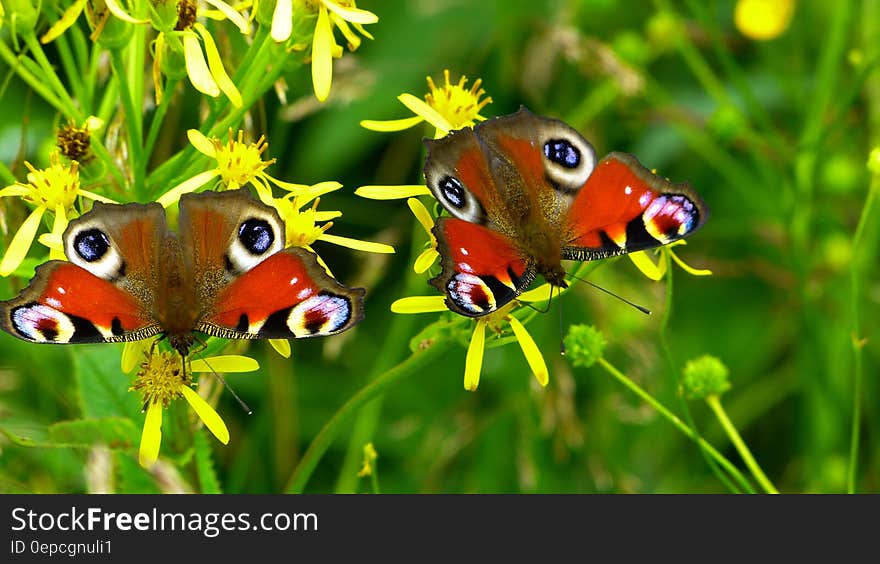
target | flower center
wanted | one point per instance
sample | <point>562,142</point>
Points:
<point>240,162</point>
<point>74,142</point>
<point>186,15</point>
<point>458,105</point>
<point>53,186</point>
<point>160,378</point>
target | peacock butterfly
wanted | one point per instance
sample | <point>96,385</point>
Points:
<point>225,273</point>
<point>526,192</point>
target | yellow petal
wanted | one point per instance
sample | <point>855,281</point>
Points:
<point>357,244</point>
<point>215,63</point>
<point>391,124</point>
<point>133,354</point>
<point>473,362</point>
<point>240,21</point>
<point>646,265</point>
<point>351,37</point>
<point>14,190</point>
<point>151,436</point>
<point>392,192</point>
<point>322,56</point>
<point>202,144</point>
<point>96,197</point>
<point>196,67</point>
<point>117,11</point>
<point>425,260</point>
<point>224,363</point>
<point>540,294</point>
<point>305,193</point>
<point>206,413</point>
<point>59,225</point>
<point>21,242</point>
<point>67,19</point>
<point>354,15</point>
<point>421,108</point>
<point>531,351</point>
<point>185,187</point>
<point>690,270</point>
<point>419,304</point>
<point>327,215</point>
<point>282,20</point>
<point>281,346</point>
<point>421,212</point>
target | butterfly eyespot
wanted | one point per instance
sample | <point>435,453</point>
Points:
<point>256,235</point>
<point>453,191</point>
<point>91,244</point>
<point>562,153</point>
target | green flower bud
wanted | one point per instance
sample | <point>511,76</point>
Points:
<point>727,122</point>
<point>665,30</point>
<point>632,48</point>
<point>704,376</point>
<point>841,174</point>
<point>115,34</point>
<point>584,345</point>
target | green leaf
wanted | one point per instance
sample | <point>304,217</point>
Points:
<point>133,478</point>
<point>103,388</point>
<point>114,432</point>
<point>205,464</point>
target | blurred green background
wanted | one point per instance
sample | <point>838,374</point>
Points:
<point>775,135</point>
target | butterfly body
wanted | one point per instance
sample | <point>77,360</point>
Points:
<point>527,192</point>
<point>225,273</point>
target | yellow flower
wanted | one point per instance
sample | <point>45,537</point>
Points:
<point>450,107</point>
<point>495,320</point>
<point>447,108</point>
<point>160,380</point>
<point>656,271</point>
<point>301,225</point>
<point>180,32</point>
<point>55,189</point>
<point>237,164</point>
<point>763,20</point>
<point>97,12</point>
<point>330,14</point>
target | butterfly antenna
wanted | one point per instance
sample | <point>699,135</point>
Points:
<point>642,309</point>
<point>240,401</point>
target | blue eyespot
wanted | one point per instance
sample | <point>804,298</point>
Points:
<point>562,153</point>
<point>256,235</point>
<point>91,244</point>
<point>453,191</point>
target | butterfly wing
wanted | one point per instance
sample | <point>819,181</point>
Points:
<point>249,286</point>
<point>623,207</point>
<point>481,269</point>
<point>106,293</point>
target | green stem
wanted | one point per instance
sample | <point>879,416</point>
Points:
<point>30,79</point>
<point>159,116</point>
<point>322,441</point>
<point>74,75</point>
<point>715,403</point>
<point>667,352</point>
<point>71,111</point>
<point>672,418</point>
<point>857,342</point>
<point>132,120</point>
